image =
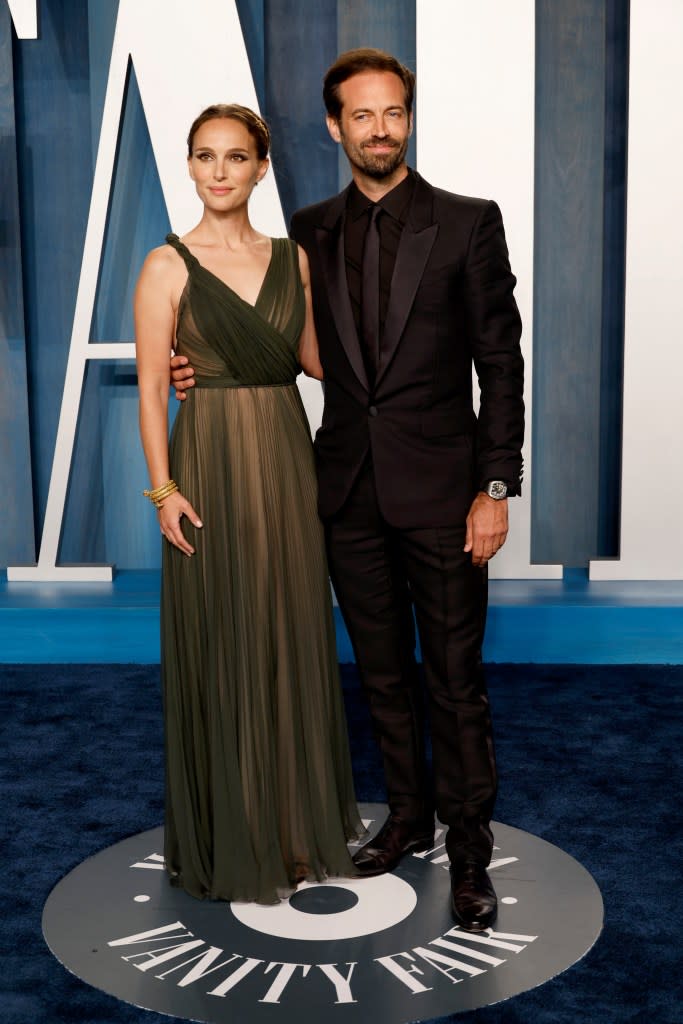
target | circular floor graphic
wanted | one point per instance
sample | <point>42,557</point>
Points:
<point>354,951</point>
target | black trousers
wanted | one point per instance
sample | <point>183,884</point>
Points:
<point>380,573</point>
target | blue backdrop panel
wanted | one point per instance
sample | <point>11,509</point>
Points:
<point>570,124</point>
<point>387,24</point>
<point>613,274</point>
<point>252,19</point>
<point>16,537</point>
<point>52,78</point>
<point>101,19</point>
<point>107,519</point>
<point>300,43</point>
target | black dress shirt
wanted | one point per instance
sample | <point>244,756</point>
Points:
<point>395,205</point>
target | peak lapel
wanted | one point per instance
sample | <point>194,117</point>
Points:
<point>330,239</point>
<point>417,239</point>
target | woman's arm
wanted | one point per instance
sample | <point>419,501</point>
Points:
<point>154,328</point>
<point>308,343</point>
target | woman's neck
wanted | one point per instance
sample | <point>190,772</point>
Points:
<point>230,230</point>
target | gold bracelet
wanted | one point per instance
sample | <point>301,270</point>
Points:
<point>159,494</point>
<point>159,499</point>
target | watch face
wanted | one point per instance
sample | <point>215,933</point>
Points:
<point>497,489</point>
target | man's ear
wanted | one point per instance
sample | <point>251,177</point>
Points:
<point>410,124</point>
<point>333,128</point>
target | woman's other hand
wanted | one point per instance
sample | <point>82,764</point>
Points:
<point>174,508</point>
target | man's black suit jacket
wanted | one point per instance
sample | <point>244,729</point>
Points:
<point>451,303</point>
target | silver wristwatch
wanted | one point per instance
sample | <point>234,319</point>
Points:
<point>496,489</point>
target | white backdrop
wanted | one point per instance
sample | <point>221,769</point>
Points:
<point>475,136</point>
<point>25,18</point>
<point>652,463</point>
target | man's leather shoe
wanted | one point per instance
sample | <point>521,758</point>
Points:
<point>394,839</point>
<point>473,899</point>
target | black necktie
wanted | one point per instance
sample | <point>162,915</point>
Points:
<point>369,308</point>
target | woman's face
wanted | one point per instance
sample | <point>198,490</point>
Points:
<point>224,164</point>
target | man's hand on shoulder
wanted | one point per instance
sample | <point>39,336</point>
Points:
<point>182,376</point>
<point>487,528</point>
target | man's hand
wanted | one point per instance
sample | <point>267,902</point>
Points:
<point>487,528</point>
<point>182,376</point>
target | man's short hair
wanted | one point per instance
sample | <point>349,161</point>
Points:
<point>353,62</point>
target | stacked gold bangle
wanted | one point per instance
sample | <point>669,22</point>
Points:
<point>159,494</point>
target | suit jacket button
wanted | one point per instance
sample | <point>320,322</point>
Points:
<point>373,410</point>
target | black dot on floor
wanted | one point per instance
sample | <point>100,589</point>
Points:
<point>323,899</point>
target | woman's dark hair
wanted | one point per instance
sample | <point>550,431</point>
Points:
<point>255,125</point>
<point>353,62</point>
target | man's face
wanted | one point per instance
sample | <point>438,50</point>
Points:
<point>374,126</point>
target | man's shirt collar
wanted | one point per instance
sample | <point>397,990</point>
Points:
<point>395,203</point>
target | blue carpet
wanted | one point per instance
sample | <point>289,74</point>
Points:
<point>589,760</point>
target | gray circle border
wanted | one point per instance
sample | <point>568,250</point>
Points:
<point>557,902</point>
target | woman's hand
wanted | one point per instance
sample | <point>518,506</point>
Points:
<point>174,508</point>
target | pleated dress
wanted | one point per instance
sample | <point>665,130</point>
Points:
<point>259,792</point>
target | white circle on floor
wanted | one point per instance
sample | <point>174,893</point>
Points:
<point>382,902</point>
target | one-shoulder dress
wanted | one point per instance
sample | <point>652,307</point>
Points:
<point>259,791</point>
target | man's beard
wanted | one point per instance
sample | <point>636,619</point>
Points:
<point>375,165</point>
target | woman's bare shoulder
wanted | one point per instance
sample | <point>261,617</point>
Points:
<point>162,265</point>
<point>163,258</point>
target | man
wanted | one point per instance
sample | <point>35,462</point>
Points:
<point>410,285</point>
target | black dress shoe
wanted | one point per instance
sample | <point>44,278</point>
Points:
<point>394,839</point>
<point>473,898</point>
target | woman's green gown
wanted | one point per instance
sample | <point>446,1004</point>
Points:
<point>259,793</point>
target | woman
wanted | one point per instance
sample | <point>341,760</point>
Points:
<point>258,782</point>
